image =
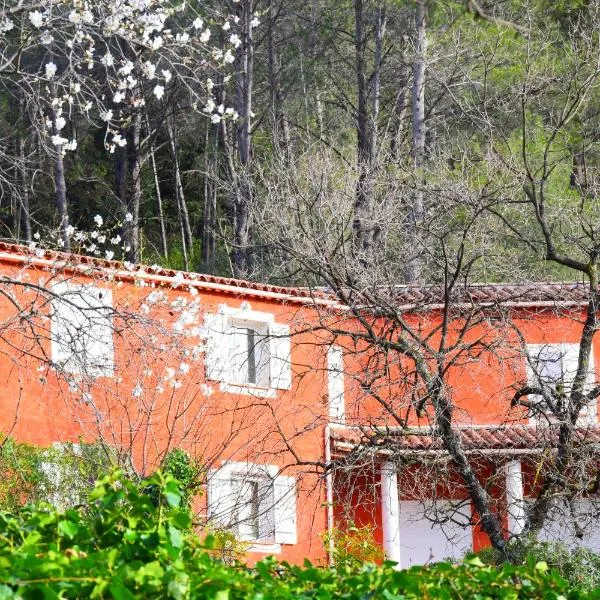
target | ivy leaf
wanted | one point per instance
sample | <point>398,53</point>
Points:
<point>68,528</point>
<point>120,592</point>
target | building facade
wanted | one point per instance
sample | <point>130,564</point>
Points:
<point>300,424</point>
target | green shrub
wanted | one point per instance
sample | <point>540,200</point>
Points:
<point>579,566</point>
<point>353,546</point>
<point>125,544</point>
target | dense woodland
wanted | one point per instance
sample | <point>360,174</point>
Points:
<point>394,131</point>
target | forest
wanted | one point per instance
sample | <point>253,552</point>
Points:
<point>304,141</point>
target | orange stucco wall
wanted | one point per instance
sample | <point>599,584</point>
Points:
<point>152,404</point>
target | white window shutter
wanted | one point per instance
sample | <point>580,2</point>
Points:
<point>221,498</point>
<point>217,356</point>
<point>335,380</point>
<point>82,329</point>
<point>99,342</point>
<point>281,364</point>
<point>284,510</point>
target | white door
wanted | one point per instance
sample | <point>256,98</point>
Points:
<point>433,532</point>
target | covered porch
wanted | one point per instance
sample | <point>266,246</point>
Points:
<point>418,519</point>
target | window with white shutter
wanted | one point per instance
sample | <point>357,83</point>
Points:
<point>81,329</point>
<point>335,380</point>
<point>554,366</point>
<point>255,502</point>
<point>247,351</point>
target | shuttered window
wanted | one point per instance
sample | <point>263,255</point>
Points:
<point>553,367</point>
<point>82,330</point>
<point>254,502</point>
<point>249,350</point>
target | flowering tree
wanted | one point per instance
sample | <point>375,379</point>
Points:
<point>109,64</point>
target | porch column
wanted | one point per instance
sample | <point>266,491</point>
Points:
<point>390,512</point>
<point>514,497</point>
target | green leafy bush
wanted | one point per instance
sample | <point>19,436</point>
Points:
<point>579,566</point>
<point>125,543</point>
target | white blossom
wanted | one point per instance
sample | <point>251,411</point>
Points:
<point>228,57</point>
<point>118,97</point>
<point>255,22</point>
<point>6,25</point>
<point>107,116</point>
<point>119,140</point>
<point>226,26</point>
<point>46,38</point>
<point>182,38</point>
<point>109,254</point>
<point>70,230</point>
<point>156,43</point>
<point>215,118</point>
<point>198,23</point>
<point>72,145</point>
<point>235,39</point>
<point>167,75</point>
<point>107,60</point>
<point>74,17</point>
<point>36,18</point>
<point>50,70</point>
<point>116,239</point>
<point>128,217</point>
<point>58,140</point>
<point>98,220</point>
<point>159,91</point>
<point>205,36</point>
<point>60,123</point>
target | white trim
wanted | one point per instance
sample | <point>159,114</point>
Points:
<point>248,390</point>
<point>390,512</point>
<point>515,503</point>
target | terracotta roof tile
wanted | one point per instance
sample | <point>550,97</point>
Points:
<point>417,297</point>
<point>506,437</point>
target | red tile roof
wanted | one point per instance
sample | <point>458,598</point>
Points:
<point>521,438</point>
<point>540,293</point>
<point>408,297</point>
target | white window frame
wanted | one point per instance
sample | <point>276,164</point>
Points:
<point>90,353</point>
<point>277,508</point>
<point>226,352</point>
<point>569,357</point>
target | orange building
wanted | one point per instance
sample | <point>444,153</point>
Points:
<point>266,386</point>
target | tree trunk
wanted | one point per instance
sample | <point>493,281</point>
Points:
<point>363,223</point>
<point>244,65</point>
<point>135,165</point>
<point>61,191</point>
<point>413,272</point>
<point>161,217</point>
<point>25,215</point>
<point>209,217</point>
<point>181,202</point>
<point>281,133</point>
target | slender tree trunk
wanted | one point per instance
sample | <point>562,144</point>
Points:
<point>400,109</point>
<point>181,202</point>
<point>61,191</point>
<point>161,217</point>
<point>25,215</point>
<point>209,218</point>
<point>281,133</point>
<point>135,164</point>
<point>244,63</point>
<point>413,272</point>
<point>363,225</point>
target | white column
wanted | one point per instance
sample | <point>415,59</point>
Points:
<point>514,497</point>
<point>390,512</point>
